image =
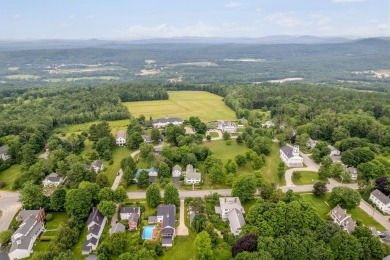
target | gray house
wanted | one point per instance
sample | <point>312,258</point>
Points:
<point>96,222</point>
<point>166,215</point>
<point>191,176</point>
<point>236,221</point>
<point>341,218</point>
<point>163,122</point>
<point>25,236</point>
<point>231,210</point>
<point>3,152</point>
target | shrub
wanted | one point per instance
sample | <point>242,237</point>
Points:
<point>49,217</point>
<point>3,184</point>
<point>296,175</point>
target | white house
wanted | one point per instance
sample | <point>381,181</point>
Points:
<point>341,218</point>
<point>176,171</point>
<point>96,222</point>
<point>97,165</point>
<point>25,236</point>
<point>290,156</point>
<point>268,124</point>
<point>191,176</point>
<point>226,126</point>
<point>231,210</point>
<point>334,151</point>
<point>353,171</point>
<point>380,200</point>
<point>3,153</point>
<point>53,179</point>
<point>311,143</point>
<point>163,122</point>
<point>120,138</point>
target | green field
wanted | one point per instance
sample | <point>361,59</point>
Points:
<point>308,178</point>
<point>270,169</point>
<point>184,104</point>
<point>69,129</point>
<point>223,151</point>
<point>10,175</point>
<point>22,76</point>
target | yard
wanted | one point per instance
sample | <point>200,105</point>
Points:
<point>323,209</point>
<point>223,151</point>
<point>270,169</point>
<point>184,104</point>
<point>307,178</point>
<point>78,128</point>
<point>10,175</point>
<point>51,230</point>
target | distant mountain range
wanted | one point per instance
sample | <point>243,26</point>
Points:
<point>94,43</point>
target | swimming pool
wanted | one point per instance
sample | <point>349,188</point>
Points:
<point>148,232</point>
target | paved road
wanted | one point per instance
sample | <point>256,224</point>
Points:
<point>9,205</point>
<point>182,194</point>
<point>375,214</point>
<point>182,230</point>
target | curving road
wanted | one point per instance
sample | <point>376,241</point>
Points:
<point>9,205</point>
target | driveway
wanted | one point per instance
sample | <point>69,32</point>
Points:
<point>311,167</point>
<point>9,205</point>
<point>118,178</point>
<point>182,230</point>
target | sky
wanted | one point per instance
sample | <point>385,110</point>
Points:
<point>143,19</point>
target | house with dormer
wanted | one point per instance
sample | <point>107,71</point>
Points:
<point>25,236</point>
<point>176,173</point>
<point>344,220</point>
<point>133,215</point>
<point>166,215</point>
<point>290,156</point>
<point>96,165</point>
<point>380,200</point>
<point>191,175</point>
<point>96,222</point>
<point>53,179</point>
<point>231,210</point>
<point>163,122</point>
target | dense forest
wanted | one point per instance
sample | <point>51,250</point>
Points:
<point>354,64</point>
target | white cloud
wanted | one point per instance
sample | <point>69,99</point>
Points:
<point>284,19</point>
<point>166,31</point>
<point>232,5</point>
<point>346,1</point>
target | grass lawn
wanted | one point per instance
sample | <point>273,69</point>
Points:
<point>270,169</point>
<point>10,175</point>
<point>308,178</point>
<point>213,134</point>
<point>76,249</point>
<point>223,151</point>
<point>323,210</point>
<point>359,215</point>
<point>184,104</point>
<point>248,204</point>
<point>58,218</point>
<point>319,203</point>
<point>117,156</point>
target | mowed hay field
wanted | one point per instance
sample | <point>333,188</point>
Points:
<point>183,104</point>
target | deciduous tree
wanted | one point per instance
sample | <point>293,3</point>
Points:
<point>171,195</point>
<point>202,246</point>
<point>153,196</point>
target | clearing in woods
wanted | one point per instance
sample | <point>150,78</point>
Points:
<point>208,107</point>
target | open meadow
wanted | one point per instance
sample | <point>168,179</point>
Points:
<point>183,104</point>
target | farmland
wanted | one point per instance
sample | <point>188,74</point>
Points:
<point>184,104</point>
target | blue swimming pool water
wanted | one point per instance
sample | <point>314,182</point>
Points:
<point>148,232</point>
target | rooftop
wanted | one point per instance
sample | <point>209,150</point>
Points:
<point>381,197</point>
<point>3,149</point>
<point>167,120</point>
<point>121,133</point>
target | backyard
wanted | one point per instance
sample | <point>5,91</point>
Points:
<point>270,169</point>
<point>307,178</point>
<point>10,175</point>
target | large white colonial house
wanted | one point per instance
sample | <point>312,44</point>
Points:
<point>226,126</point>
<point>25,236</point>
<point>191,175</point>
<point>120,138</point>
<point>380,200</point>
<point>53,179</point>
<point>163,122</point>
<point>290,156</point>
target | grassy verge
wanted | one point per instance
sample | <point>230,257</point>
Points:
<point>10,175</point>
<point>359,215</point>
<point>308,178</point>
